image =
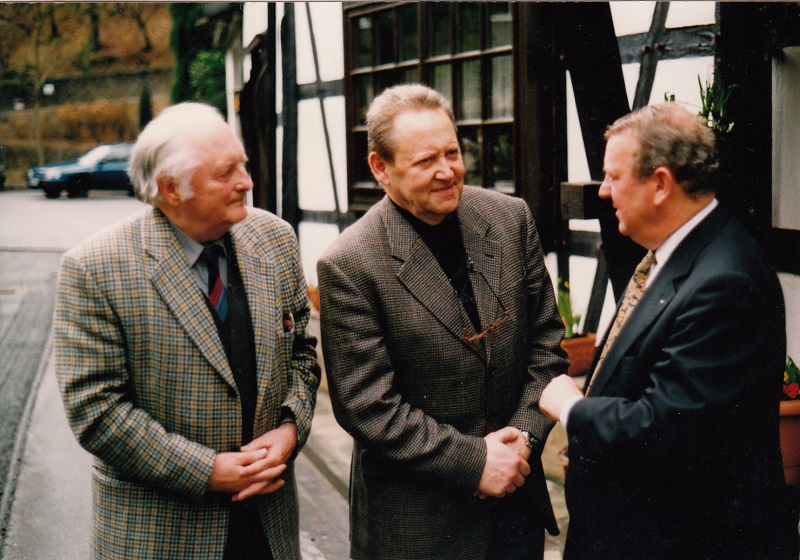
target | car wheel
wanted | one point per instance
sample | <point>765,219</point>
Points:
<point>51,192</point>
<point>78,187</point>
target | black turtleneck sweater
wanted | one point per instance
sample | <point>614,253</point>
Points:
<point>445,242</point>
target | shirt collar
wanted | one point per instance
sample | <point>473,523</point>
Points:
<point>664,252</point>
<point>191,248</point>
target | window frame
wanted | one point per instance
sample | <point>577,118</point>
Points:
<point>362,193</point>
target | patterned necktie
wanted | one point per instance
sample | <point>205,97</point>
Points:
<point>216,289</point>
<point>632,295</point>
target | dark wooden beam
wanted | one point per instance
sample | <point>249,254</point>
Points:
<point>679,42</point>
<point>586,36</point>
<point>535,130</point>
<point>331,88</point>
<point>656,39</point>
<point>291,199</point>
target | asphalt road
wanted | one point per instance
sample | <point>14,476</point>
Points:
<point>34,232</point>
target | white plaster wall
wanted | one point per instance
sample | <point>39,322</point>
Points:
<point>791,293</point>
<point>315,185</point>
<point>785,140</point>
<point>635,17</point>
<point>327,21</point>
<point>786,177</point>
<point>314,174</point>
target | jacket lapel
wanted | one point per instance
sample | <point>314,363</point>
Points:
<point>258,276</point>
<point>486,254</point>
<point>424,278</point>
<point>172,279</point>
<point>660,293</point>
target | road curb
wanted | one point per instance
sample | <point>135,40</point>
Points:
<point>9,484</point>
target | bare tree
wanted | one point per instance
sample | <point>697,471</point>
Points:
<point>141,13</point>
<point>37,21</point>
<point>94,19</point>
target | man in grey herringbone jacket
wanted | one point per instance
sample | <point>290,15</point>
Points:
<point>440,331</point>
<point>193,413</point>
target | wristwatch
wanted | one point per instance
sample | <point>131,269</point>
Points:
<point>530,440</point>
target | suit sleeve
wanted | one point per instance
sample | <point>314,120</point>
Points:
<point>362,384</point>
<point>546,358</point>
<point>93,377</point>
<point>303,375</point>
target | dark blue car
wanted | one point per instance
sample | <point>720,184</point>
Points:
<point>104,167</point>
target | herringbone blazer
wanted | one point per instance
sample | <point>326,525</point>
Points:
<point>149,392</point>
<point>416,396</point>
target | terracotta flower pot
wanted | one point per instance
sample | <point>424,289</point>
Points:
<point>580,350</point>
<point>790,441</point>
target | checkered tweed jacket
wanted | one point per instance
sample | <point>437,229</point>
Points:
<point>149,392</point>
<point>416,396</point>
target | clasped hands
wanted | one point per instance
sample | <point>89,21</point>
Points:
<point>257,467</point>
<point>506,463</point>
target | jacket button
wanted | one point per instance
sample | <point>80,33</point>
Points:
<point>491,370</point>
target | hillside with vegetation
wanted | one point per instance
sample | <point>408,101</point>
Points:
<point>73,75</point>
<point>41,41</point>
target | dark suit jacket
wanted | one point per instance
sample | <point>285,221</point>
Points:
<point>150,393</point>
<point>417,397</point>
<point>675,454</point>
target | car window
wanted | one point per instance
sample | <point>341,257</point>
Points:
<point>120,153</point>
<point>94,155</point>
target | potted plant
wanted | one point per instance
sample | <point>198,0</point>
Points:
<point>578,346</point>
<point>790,423</point>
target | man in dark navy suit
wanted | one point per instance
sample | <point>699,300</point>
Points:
<point>673,450</point>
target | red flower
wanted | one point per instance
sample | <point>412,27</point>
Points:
<point>791,390</point>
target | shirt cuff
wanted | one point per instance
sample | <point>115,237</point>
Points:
<point>567,408</point>
<point>287,415</point>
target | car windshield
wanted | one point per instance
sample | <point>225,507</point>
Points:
<point>94,155</point>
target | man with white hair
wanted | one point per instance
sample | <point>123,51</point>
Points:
<point>183,358</point>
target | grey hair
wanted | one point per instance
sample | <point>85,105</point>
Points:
<point>392,102</point>
<point>167,148</point>
<point>669,135</point>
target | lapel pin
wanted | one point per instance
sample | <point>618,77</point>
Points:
<point>288,322</point>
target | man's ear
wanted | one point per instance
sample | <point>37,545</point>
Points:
<point>169,190</point>
<point>664,186</point>
<point>378,166</point>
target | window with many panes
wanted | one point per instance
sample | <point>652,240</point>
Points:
<point>462,49</point>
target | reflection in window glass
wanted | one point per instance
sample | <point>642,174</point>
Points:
<point>502,96</point>
<point>439,25</point>
<point>384,80</point>
<point>361,170</point>
<point>442,80</point>
<point>384,37</point>
<point>362,97</point>
<point>470,90</point>
<point>471,152</point>
<point>500,148</point>
<point>411,75</point>
<point>499,24</point>
<point>363,42</point>
<point>467,26</point>
<point>407,38</point>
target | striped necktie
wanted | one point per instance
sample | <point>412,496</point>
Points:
<point>632,295</point>
<point>217,294</point>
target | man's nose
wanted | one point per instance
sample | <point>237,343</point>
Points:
<point>605,190</point>
<point>444,171</point>
<point>245,182</point>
